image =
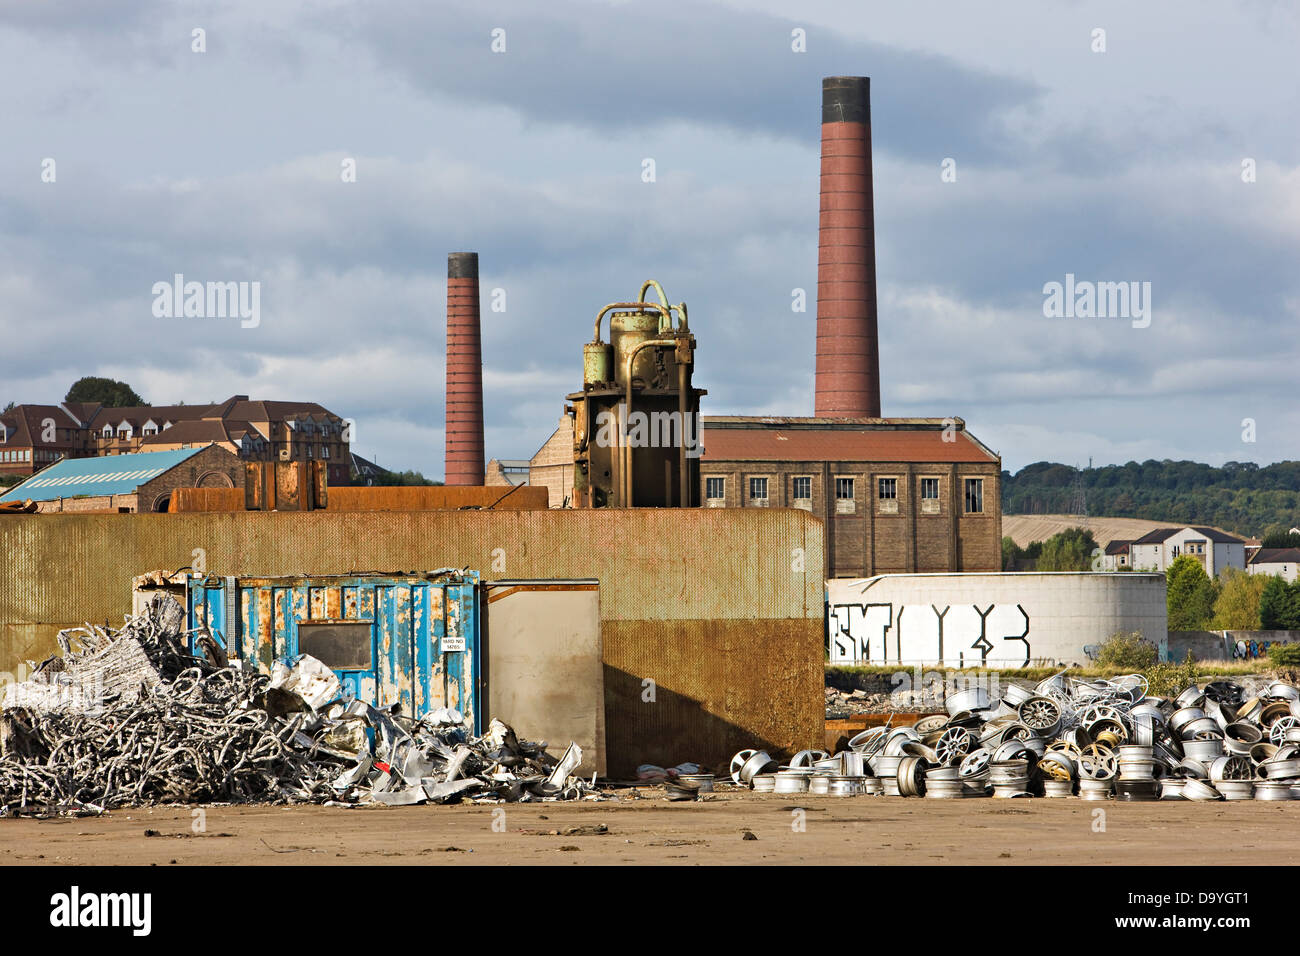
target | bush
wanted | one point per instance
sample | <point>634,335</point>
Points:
<point>1168,679</point>
<point>1127,650</point>
<point>1285,661</point>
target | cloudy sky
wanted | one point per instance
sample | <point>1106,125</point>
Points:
<point>226,165</point>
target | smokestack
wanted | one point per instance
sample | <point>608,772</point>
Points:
<point>464,432</point>
<point>848,355</point>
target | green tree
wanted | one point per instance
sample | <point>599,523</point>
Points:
<point>1280,539</point>
<point>1068,550</point>
<point>1010,553</point>
<point>1237,607</point>
<point>1190,595</point>
<point>1274,604</point>
<point>404,478</point>
<point>105,391</point>
<point>9,408</point>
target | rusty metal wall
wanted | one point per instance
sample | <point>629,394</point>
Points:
<point>206,499</point>
<point>721,609</point>
<point>435,498</point>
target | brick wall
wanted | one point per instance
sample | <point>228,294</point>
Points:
<point>213,467</point>
<point>870,539</point>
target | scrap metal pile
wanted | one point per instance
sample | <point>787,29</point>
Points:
<point>129,717</point>
<point>1091,738</point>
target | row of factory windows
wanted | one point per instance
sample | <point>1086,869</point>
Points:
<point>715,491</point>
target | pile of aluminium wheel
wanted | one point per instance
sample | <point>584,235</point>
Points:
<point>1090,739</point>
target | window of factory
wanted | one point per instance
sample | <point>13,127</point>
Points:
<point>974,496</point>
<point>803,488</point>
<point>930,496</point>
<point>845,504</point>
<point>715,489</point>
<point>758,491</point>
<point>887,496</point>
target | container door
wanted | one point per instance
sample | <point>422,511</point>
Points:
<point>543,670</point>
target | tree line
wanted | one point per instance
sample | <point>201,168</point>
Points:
<point>1241,497</point>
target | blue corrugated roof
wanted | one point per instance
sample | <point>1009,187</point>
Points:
<point>109,475</point>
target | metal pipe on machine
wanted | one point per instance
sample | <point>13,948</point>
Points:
<point>464,463</point>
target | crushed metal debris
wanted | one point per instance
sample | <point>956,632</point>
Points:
<point>128,717</point>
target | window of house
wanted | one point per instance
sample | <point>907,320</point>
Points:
<point>803,488</point>
<point>715,489</point>
<point>974,496</point>
<point>758,489</point>
<point>324,451</point>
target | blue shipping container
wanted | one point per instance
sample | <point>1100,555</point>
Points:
<point>411,639</point>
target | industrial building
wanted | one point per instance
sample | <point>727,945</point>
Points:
<point>897,495</point>
<point>144,481</point>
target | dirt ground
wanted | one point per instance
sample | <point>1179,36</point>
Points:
<point>651,830</point>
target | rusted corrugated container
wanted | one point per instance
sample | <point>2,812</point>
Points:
<point>411,640</point>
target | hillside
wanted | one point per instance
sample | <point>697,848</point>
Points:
<point>1240,497</point>
<point>1025,529</point>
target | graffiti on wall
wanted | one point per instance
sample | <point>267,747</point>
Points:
<point>956,635</point>
<point>1249,650</point>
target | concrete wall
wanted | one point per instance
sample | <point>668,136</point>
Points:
<point>989,620</point>
<point>1225,645</point>
<point>711,621</point>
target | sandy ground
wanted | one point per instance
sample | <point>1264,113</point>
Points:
<point>651,830</point>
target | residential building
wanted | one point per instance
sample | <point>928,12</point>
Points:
<point>33,436</point>
<point>142,481</point>
<point>1215,550</point>
<point>1115,556</point>
<point>1284,562</point>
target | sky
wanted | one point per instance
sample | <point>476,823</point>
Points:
<point>133,149</point>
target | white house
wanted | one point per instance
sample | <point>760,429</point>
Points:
<point>1281,561</point>
<point>1215,550</point>
<point>1115,556</point>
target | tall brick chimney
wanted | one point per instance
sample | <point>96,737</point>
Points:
<point>464,432</point>
<point>848,355</point>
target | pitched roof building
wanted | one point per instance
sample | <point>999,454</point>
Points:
<point>33,436</point>
<point>127,483</point>
<point>896,494</point>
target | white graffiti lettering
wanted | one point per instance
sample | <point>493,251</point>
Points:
<point>955,636</point>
